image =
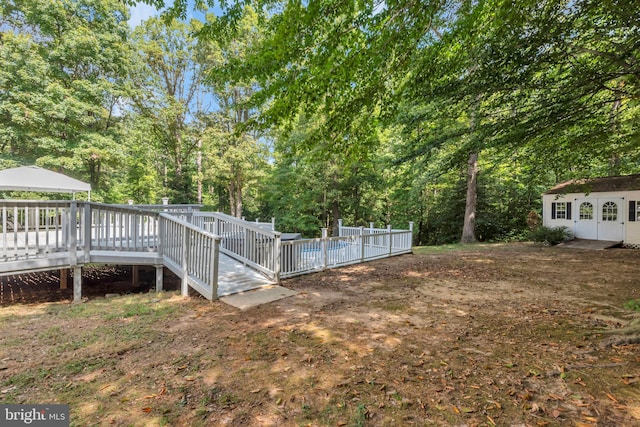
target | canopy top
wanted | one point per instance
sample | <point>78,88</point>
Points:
<point>34,178</point>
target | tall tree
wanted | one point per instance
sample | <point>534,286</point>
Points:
<point>63,65</point>
<point>236,153</point>
<point>169,83</point>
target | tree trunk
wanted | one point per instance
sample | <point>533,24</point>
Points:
<point>468,230</point>
<point>335,213</point>
<point>232,195</point>
<point>239,184</point>
<point>199,163</point>
<point>335,205</point>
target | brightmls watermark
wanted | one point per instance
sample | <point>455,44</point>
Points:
<point>34,415</point>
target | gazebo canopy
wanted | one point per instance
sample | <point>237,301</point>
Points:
<point>34,178</point>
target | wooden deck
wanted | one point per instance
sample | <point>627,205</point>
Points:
<point>213,253</point>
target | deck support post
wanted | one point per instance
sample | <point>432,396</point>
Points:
<point>159,277</point>
<point>64,278</point>
<point>77,284</point>
<point>135,275</point>
<point>186,243</point>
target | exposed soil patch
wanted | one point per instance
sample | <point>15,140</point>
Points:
<point>504,335</point>
<point>98,280</point>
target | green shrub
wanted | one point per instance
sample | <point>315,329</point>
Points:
<point>550,235</point>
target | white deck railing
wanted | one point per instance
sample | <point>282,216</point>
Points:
<point>358,244</point>
<point>33,228</point>
<point>120,228</point>
<point>83,232</point>
<point>38,235</point>
<point>251,243</point>
<point>192,253</point>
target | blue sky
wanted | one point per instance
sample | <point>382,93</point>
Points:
<point>141,12</point>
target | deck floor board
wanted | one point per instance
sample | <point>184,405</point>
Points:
<point>234,277</point>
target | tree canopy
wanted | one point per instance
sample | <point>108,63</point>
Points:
<point>453,114</point>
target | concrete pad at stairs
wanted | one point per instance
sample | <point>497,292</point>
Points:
<point>253,298</point>
<point>589,244</point>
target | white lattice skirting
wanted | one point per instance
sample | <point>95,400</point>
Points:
<point>631,245</point>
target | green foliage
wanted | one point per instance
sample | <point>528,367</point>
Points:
<point>633,305</point>
<point>62,71</point>
<point>365,111</point>
<point>168,78</point>
<point>550,235</point>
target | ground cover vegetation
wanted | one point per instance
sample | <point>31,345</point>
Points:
<point>452,114</point>
<point>478,335</point>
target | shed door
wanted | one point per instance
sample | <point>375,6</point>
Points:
<point>585,223</point>
<point>610,217</point>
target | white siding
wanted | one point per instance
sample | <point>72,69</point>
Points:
<point>631,228</point>
<point>547,200</point>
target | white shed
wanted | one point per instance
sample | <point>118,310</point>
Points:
<point>597,209</point>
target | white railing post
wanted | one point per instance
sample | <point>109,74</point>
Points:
<point>340,227</point>
<point>277,257</point>
<point>325,239</point>
<point>390,239</point>
<point>273,223</point>
<point>362,244</point>
<point>371,227</point>
<point>214,268</point>
<point>161,235</point>
<point>72,232</point>
<point>185,262</point>
<point>87,227</point>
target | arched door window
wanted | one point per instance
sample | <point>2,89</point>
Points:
<point>586,210</point>
<point>610,211</point>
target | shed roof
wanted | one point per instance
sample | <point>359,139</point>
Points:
<point>598,185</point>
<point>34,178</point>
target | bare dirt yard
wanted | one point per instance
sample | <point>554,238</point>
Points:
<point>482,335</point>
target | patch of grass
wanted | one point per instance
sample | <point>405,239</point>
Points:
<point>132,310</point>
<point>261,347</point>
<point>27,378</point>
<point>76,366</point>
<point>360,416</point>
<point>80,342</point>
<point>51,335</point>
<point>304,339</point>
<point>633,305</point>
<point>392,306</point>
<point>453,247</point>
<point>156,304</point>
<point>425,250</point>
